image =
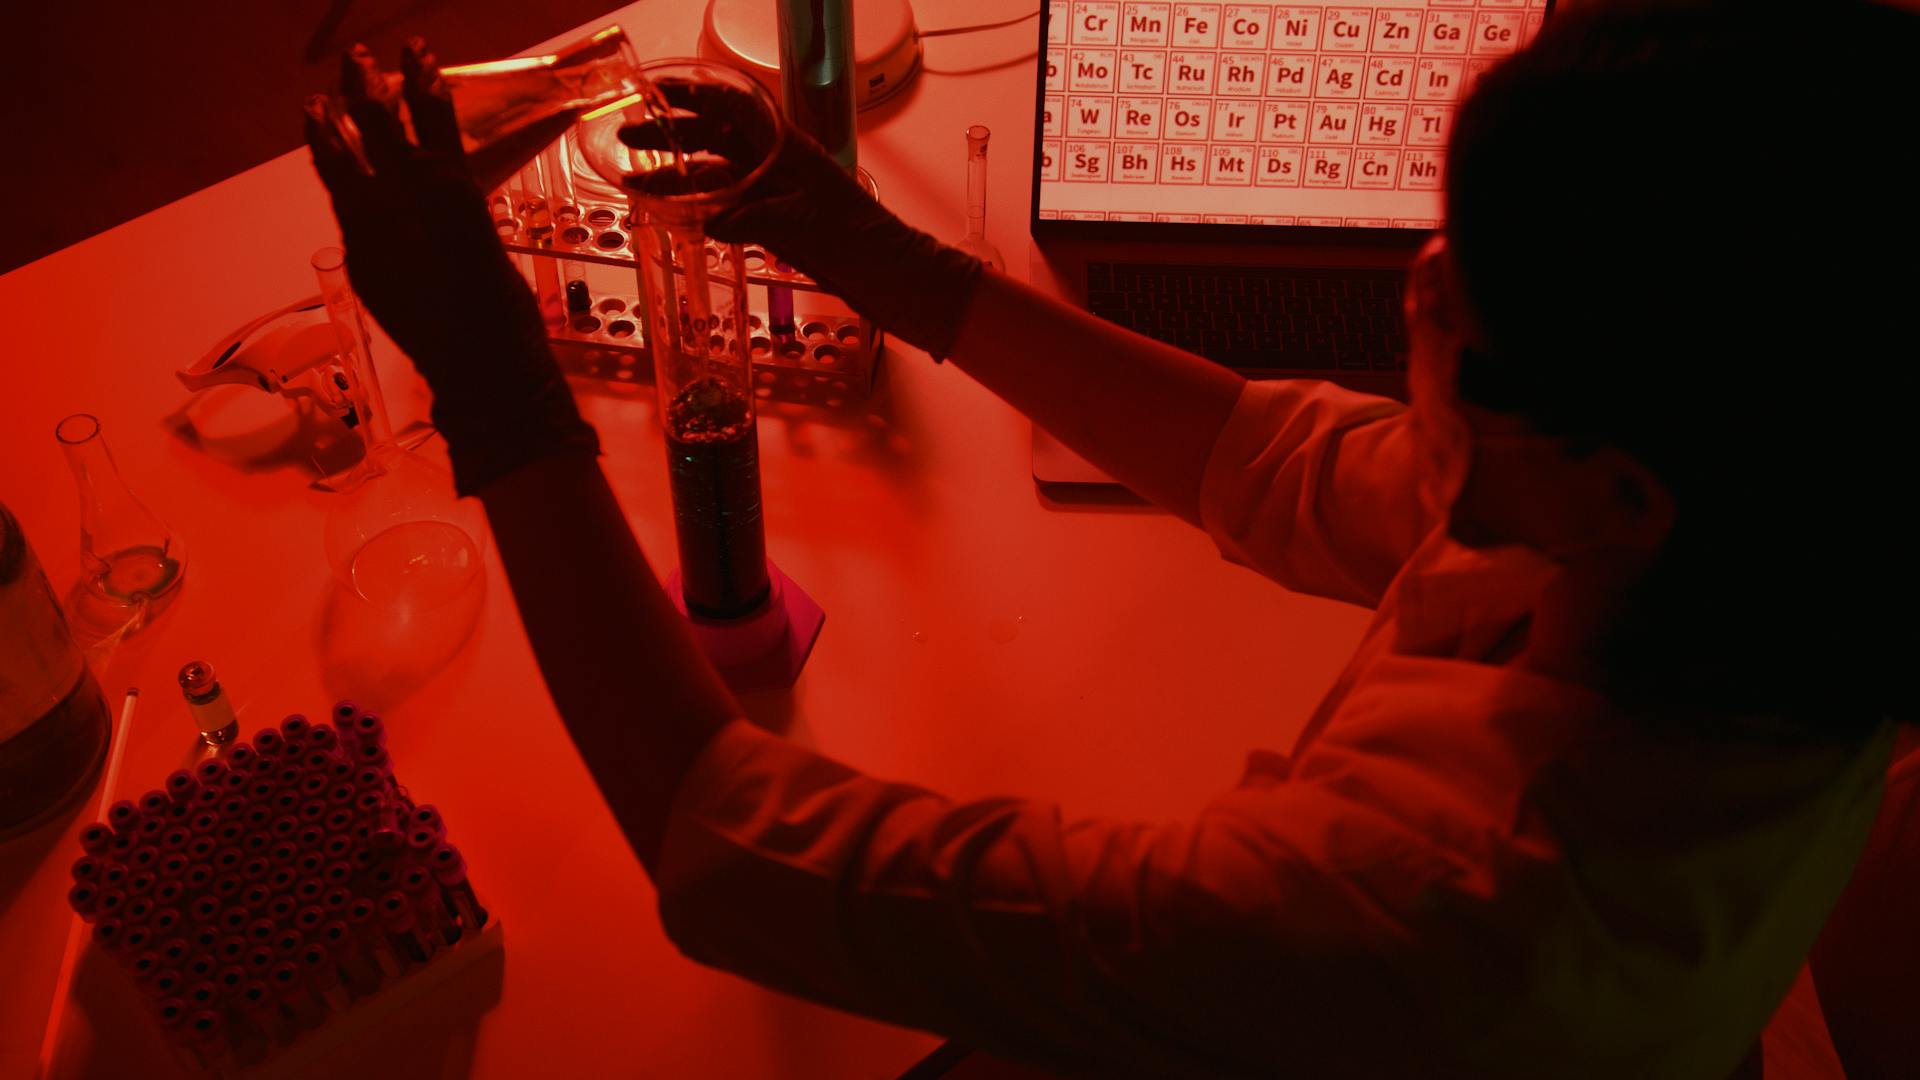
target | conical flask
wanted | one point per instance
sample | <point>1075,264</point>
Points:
<point>509,110</point>
<point>131,564</point>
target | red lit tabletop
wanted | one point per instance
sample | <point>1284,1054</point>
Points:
<point>980,639</point>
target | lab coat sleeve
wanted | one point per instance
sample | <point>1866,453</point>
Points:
<point>1314,486</point>
<point>1104,948</point>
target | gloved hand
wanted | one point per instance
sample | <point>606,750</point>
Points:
<point>808,211</point>
<point>424,258</point>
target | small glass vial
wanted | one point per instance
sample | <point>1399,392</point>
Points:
<point>212,712</point>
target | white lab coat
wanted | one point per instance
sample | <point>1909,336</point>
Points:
<point>1460,868</point>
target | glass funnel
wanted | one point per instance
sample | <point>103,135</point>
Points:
<point>131,564</point>
<point>695,294</point>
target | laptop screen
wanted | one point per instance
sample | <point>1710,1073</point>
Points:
<point>1259,114</point>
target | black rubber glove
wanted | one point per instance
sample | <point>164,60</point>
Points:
<point>808,211</point>
<point>424,258</point>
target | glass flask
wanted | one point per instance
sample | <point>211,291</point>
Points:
<point>54,722</point>
<point>975,242</point>
<point>695,295</point>
<point>131,564</point>
<point>495,100</point>
<point>395,534</point>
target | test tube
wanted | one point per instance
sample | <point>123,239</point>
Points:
<point>324,976</point>
<point>403,930</point>
<point>451,871</point>
<point>123,816</point>
<point>153,802</point>
<point>300,1001</point>
<point>268,742</point>
<point>95,838</point>
<point>295,726</point>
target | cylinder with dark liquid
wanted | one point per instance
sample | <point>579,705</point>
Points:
<point>54,722</point>
<point>713,465</point>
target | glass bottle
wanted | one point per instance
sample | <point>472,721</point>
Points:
<point>131,565</point>
<point>209,705</point>
<point>975,242</point>
<point>54,722</point>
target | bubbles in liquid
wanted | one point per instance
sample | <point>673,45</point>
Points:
<point>418,565</point>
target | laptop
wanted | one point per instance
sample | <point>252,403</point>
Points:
<point>1249,181</point>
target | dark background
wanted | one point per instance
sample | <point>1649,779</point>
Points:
<point>113,108</point>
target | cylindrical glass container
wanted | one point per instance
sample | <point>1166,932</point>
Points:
<point>54,723</point>
<point>816,73</point>
<point>695,294</point>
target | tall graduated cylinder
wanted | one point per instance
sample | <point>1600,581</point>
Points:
<point>695,295</point>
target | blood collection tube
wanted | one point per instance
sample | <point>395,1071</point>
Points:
<point>137,909</point>
<point>112,875</point>
<point>323,976</point>
<point>175,951</point>
<point>242,757</point>
<point>85,868</point>
<point>208,703</point>
<point>257,1005</point>
<point>150,826</point>
<point>144,857</point>
<point>154,802</point>
<point>84,899</point>
<point>403,930</point>
<point>200,965</point>
<point>106,933</point>
<point>202,994</point>
<point>323,737</point>
<point>95,838</point>
<point>295,726</point>
<point>206,1040</point>
<point>287,942</point>
<point>110,902</point>
<point>362,920</point>
<point>143,967</point>
<point>165,981</point>
<point>308,920</point>
<point>344,712</point>
<point>368,728</point>
<point>176,838</point>
<point>165,920</point>
<point>123,816</point>
<point>429,909</point>
<point>268,742</point>
<point>134,937</point>
<point>282,907</point>
<point>260,960</point>
<point>231,949</point>
<point>305,1006</point>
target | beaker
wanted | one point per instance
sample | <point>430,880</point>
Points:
<point>695,295</point>
<point>54,723</point>
<point>131,564</point>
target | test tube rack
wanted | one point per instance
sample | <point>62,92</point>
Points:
<point>831,356</point>
<point>278,895</point>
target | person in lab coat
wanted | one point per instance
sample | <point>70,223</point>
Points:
<point>1604,761</point>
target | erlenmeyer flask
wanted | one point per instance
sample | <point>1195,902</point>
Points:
<point>499,99</point>
<point>131,564</point>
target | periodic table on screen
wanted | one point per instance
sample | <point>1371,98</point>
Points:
<point>1261,113</point>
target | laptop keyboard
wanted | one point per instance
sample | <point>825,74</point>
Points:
<point>1260,318</point>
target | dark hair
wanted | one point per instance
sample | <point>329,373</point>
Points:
<point>1688,229</point>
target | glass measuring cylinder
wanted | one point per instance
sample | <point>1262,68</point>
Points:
<point>695,294</point>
